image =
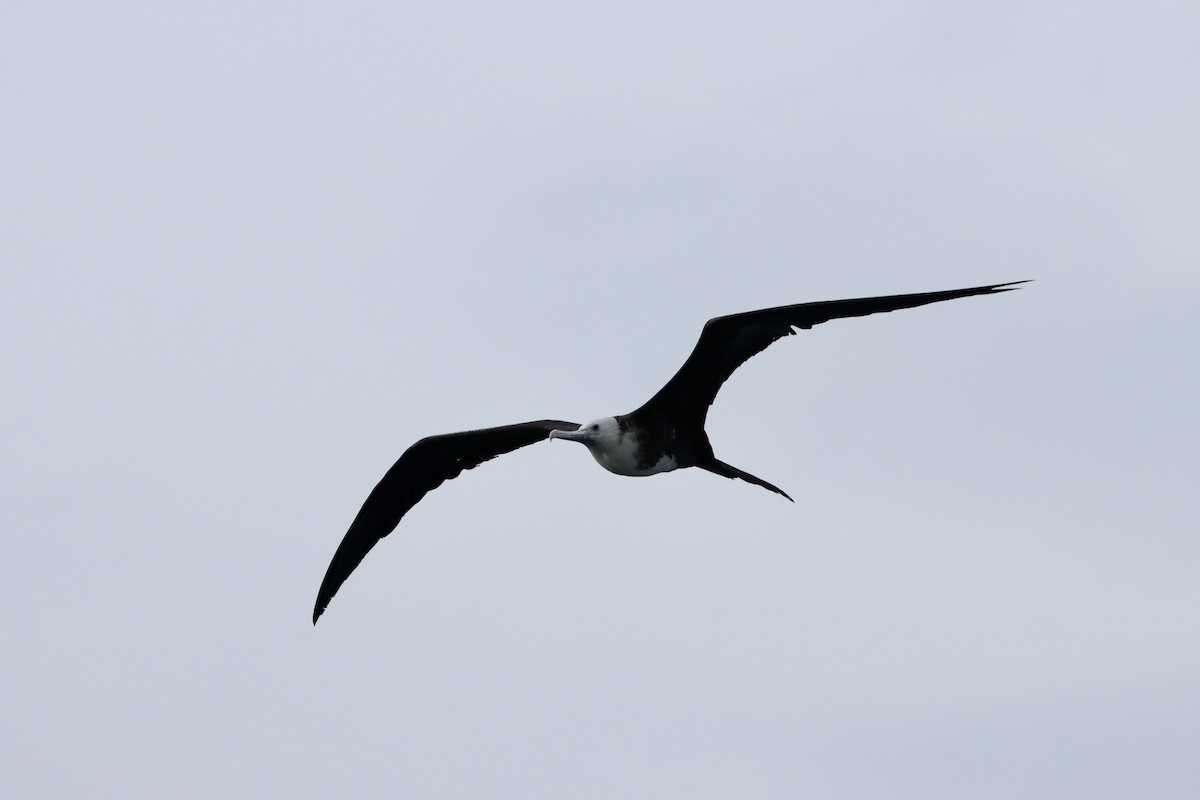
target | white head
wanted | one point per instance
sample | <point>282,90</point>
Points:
<point>614,448</point>
<point>599,435</point>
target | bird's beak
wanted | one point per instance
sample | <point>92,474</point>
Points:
<point>574,436</point>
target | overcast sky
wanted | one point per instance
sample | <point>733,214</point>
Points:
<point>251,251</point>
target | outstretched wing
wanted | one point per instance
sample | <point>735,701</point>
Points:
<point>728,342</point>
<point>422,468</point>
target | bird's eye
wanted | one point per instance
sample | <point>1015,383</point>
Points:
<point>595,427</point>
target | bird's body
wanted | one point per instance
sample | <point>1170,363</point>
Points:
<point>623,449</point>
<point>666,433</point>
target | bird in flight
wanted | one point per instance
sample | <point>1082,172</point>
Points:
<point>666,433</point>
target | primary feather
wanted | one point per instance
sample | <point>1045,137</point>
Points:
<point>425,466</point>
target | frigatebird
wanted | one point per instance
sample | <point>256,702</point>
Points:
<point>665,434</point>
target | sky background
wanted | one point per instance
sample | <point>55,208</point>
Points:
<point>252,251</point>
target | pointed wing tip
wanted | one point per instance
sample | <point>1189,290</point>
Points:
<point>1011,286</point>
<point>320,606</point>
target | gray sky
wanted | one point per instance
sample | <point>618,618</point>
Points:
<point>252,251</point>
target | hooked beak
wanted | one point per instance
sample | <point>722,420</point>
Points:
<point>574,436</point>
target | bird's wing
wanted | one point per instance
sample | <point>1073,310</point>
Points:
<point>422,468</point>
<point>728,342</point>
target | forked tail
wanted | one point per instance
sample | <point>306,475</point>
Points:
<point>724,470</point>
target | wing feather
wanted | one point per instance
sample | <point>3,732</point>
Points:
<point>423,467</point>
<point>728,342</point>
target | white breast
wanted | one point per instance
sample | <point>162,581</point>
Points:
<point>621,457</point>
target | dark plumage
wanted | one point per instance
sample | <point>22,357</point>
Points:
<point>423,467</point>
<point>665,433</point>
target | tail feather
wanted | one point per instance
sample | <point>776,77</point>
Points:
<point>726,471</point>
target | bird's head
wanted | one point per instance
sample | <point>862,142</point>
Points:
<point>602,434</point>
